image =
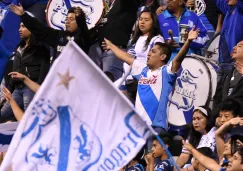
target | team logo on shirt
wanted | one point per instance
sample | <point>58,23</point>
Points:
<point>185,88</point>
<point>200,7</point>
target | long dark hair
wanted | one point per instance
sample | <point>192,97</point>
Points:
<point>154,31</point>
<point>32,42</point>
<point>194,136</point>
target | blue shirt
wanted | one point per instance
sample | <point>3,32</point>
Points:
<point>163,165</point>
<point>136,167</point>
<point>168,22</point>
<point>232,30</point>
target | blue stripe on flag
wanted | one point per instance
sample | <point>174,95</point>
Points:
<point>65,137</point>
<point>148,100</point>
<point>5,139</point>
<point>68,4</point>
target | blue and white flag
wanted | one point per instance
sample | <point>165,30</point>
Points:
<point>77,121</point>
<point>7,131</point>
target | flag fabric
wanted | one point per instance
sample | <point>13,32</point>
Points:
<point>7,131</point>
<point>77,121</point>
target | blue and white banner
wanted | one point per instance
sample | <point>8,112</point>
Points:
<point>77,121</point>
<point>7,131</point>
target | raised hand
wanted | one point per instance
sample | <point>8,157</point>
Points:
<point>18,10</point>
<point>239,67</point>
<point>106,44</point>
<point>17,75</point>
<point>7,94</point>
<point>193,34</point>
<point>188,146</point>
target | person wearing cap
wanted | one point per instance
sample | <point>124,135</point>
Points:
<point>202,134</point>
<point>31,59</point>
<point>172,18</point>
<point>75,24</point>
<point>163,163</point>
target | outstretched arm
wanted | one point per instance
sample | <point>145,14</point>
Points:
<point>203,160</point>
<point>43,33</point>
<point>28,82</point>
<point>122,55</point>
<point>176,63</point>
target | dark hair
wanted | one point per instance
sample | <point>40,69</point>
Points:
<point>194,136</point>
<point>206,151</point>
<point>154,31</point>
<point>165,49</point>
<point>166,137</point>
<point>32,42</point>
<point>83,36</point>
<point>230,105</point>
<point>240,151</point>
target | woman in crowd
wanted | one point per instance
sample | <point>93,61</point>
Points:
<point>147,33</point>
<point>232,149</point>
<point>202,133</point>
<point>31,59</point>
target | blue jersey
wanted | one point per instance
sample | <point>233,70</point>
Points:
<point>231,32</point>
<point>163,165</point>
<point>153,92</point>
<point>136,167</point>
<point>168,22</point>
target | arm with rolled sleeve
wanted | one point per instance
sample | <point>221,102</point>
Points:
<point>202,37</point>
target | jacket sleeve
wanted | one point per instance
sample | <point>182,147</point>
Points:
<point>202,37</point>
<point>222,5</point>
<point>45,62</point>
<point>43,33</point>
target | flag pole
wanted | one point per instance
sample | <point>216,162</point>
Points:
<point>167,151</point>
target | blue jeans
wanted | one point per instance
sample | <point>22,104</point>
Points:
<point>22,97</point>
<point>107,61</point>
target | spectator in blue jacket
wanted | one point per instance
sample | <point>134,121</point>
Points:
<point>231,32</point>
<point>171,19</point>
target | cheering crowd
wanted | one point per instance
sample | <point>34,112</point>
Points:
<point>149,39</point>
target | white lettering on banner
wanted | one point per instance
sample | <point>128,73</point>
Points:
<point>185,92</point>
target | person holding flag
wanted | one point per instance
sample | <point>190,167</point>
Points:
<point>155,79</point>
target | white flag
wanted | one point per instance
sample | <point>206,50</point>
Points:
<point>77,121</point>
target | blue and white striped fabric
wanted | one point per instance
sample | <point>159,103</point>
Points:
<point>154,88</point>
<point>7,131</point>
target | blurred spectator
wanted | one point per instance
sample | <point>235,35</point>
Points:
<point>163,161</point>
<point>18,112</point>
<point>31,59</point>
<point>204,151</point>
<point>76,28</point>
<point>155,79</point>
<point>231,32</point>
<point>221,135</point>
<point>202,134</point>
<point>231,84</point>
<point>171,19</point>
<point>235,162</point>
<point>117,28</point>
<point>135,165</point>
<point>207,12</point>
